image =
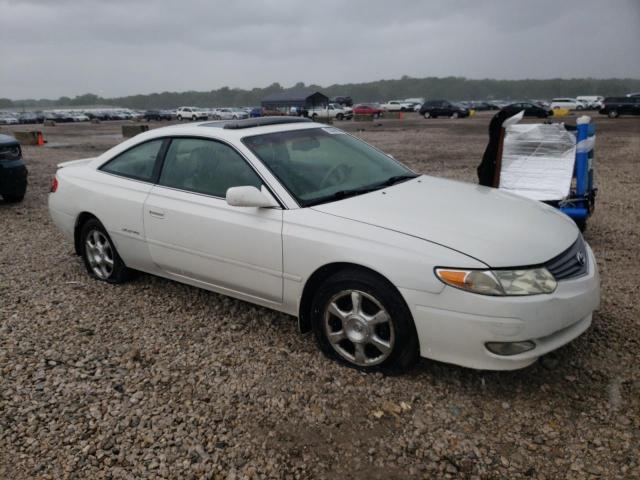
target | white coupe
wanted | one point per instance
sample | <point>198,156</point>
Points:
<point>382,264</point>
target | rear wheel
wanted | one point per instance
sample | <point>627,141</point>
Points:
<point>359,319</point>
<point>100,255</point>
<point>180,117</point>
<point>613,113</point>
<point>455,115</point>
<point>427,115</point>
<point>13,197</point>
<point>340,116</point>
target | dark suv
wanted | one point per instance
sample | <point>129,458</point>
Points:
<point>442,108</point>
<point>157,115</point>
<point>13,171</point>
<point>346,101</point>
<point>616,106</point>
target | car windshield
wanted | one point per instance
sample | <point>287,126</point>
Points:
<point>321,165</point>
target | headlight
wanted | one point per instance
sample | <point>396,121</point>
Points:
<point>500,282</point>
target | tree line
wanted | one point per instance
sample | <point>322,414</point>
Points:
<point>452,88</point>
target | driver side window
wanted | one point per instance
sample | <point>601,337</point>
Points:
<point>205,166</point>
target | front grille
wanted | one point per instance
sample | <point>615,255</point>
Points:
<point>571,263</point>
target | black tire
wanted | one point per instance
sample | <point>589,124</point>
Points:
<point>427,115</point>
<point>613,114</point>
<point>340,116</point>
<point>13,197</point>
<point>180,117</point>
<point>120,273</point>
<point>404,349</point>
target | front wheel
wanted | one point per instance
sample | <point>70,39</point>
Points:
<point>455,115</point>
<point>100,255</point>
<point>613,114</point>
<point>180,117</point>
<point>340,116</point>
<point>427,115</point>
<point>359,319</point>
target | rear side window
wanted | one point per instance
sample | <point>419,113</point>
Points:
<point>205,166</point>
<point>137,162</point>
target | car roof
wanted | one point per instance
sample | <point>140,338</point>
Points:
<point>232,129</point>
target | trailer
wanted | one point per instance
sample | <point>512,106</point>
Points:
<point>552,163</point>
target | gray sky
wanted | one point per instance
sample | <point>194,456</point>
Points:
<point>50,48</point>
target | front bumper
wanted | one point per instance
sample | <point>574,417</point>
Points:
<point>453,326</point>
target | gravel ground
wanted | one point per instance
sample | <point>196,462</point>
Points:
<point>154,379</point>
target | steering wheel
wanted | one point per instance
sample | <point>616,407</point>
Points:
<point>340,171</point>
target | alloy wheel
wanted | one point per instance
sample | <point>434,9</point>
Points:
<point>359,328</point>
<point>99,254</point>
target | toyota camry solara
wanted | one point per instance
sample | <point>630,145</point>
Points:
<point>382,264</point>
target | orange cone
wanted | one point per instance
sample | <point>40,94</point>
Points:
<point>40,139</point>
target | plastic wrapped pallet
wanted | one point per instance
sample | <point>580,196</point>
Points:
<point>538,161</point>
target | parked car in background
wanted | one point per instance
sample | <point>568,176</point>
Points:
<point>481,106</point>
<point>368,109</point>
<point>330,111</point>
<point>13,171</point>
<point>414,101</point>
<point>346,101</point>
<point>443,108</point>
<point>239,113</point>
<point>8,119</point>
<point>222,114</point>
<point>397,106</point>
<point>79,117</point>
<point>191,113</point>
<point>255,112</point>
<point>616,106</point>
<point>568,103</point>
<point>157,115</point>
<point>27,117</point>
<point>530,109</point>
<point>593,102</point>
<point>382,264</point>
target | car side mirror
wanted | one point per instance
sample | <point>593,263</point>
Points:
<point>249,196</point>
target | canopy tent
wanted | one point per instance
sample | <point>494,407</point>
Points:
<point>301,98</point>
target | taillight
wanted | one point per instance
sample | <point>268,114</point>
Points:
<point>54,184</point>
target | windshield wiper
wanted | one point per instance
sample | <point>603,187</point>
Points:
<point>341,194</point>
<point>397,179</point>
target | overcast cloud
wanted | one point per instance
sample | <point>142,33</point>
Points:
<point>50,48</point>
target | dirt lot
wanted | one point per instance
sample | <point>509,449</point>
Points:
<point>160,380</point>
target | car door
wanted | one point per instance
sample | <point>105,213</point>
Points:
<point>120,189</point>
<point>193,233</point>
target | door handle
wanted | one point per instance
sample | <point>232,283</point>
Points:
<point>156,213</point>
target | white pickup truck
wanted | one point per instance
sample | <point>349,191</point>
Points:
<point>333,110</point>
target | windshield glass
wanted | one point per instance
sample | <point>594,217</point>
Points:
<point>324,164</point>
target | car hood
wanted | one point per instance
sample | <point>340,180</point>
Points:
<point>498,228</point>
